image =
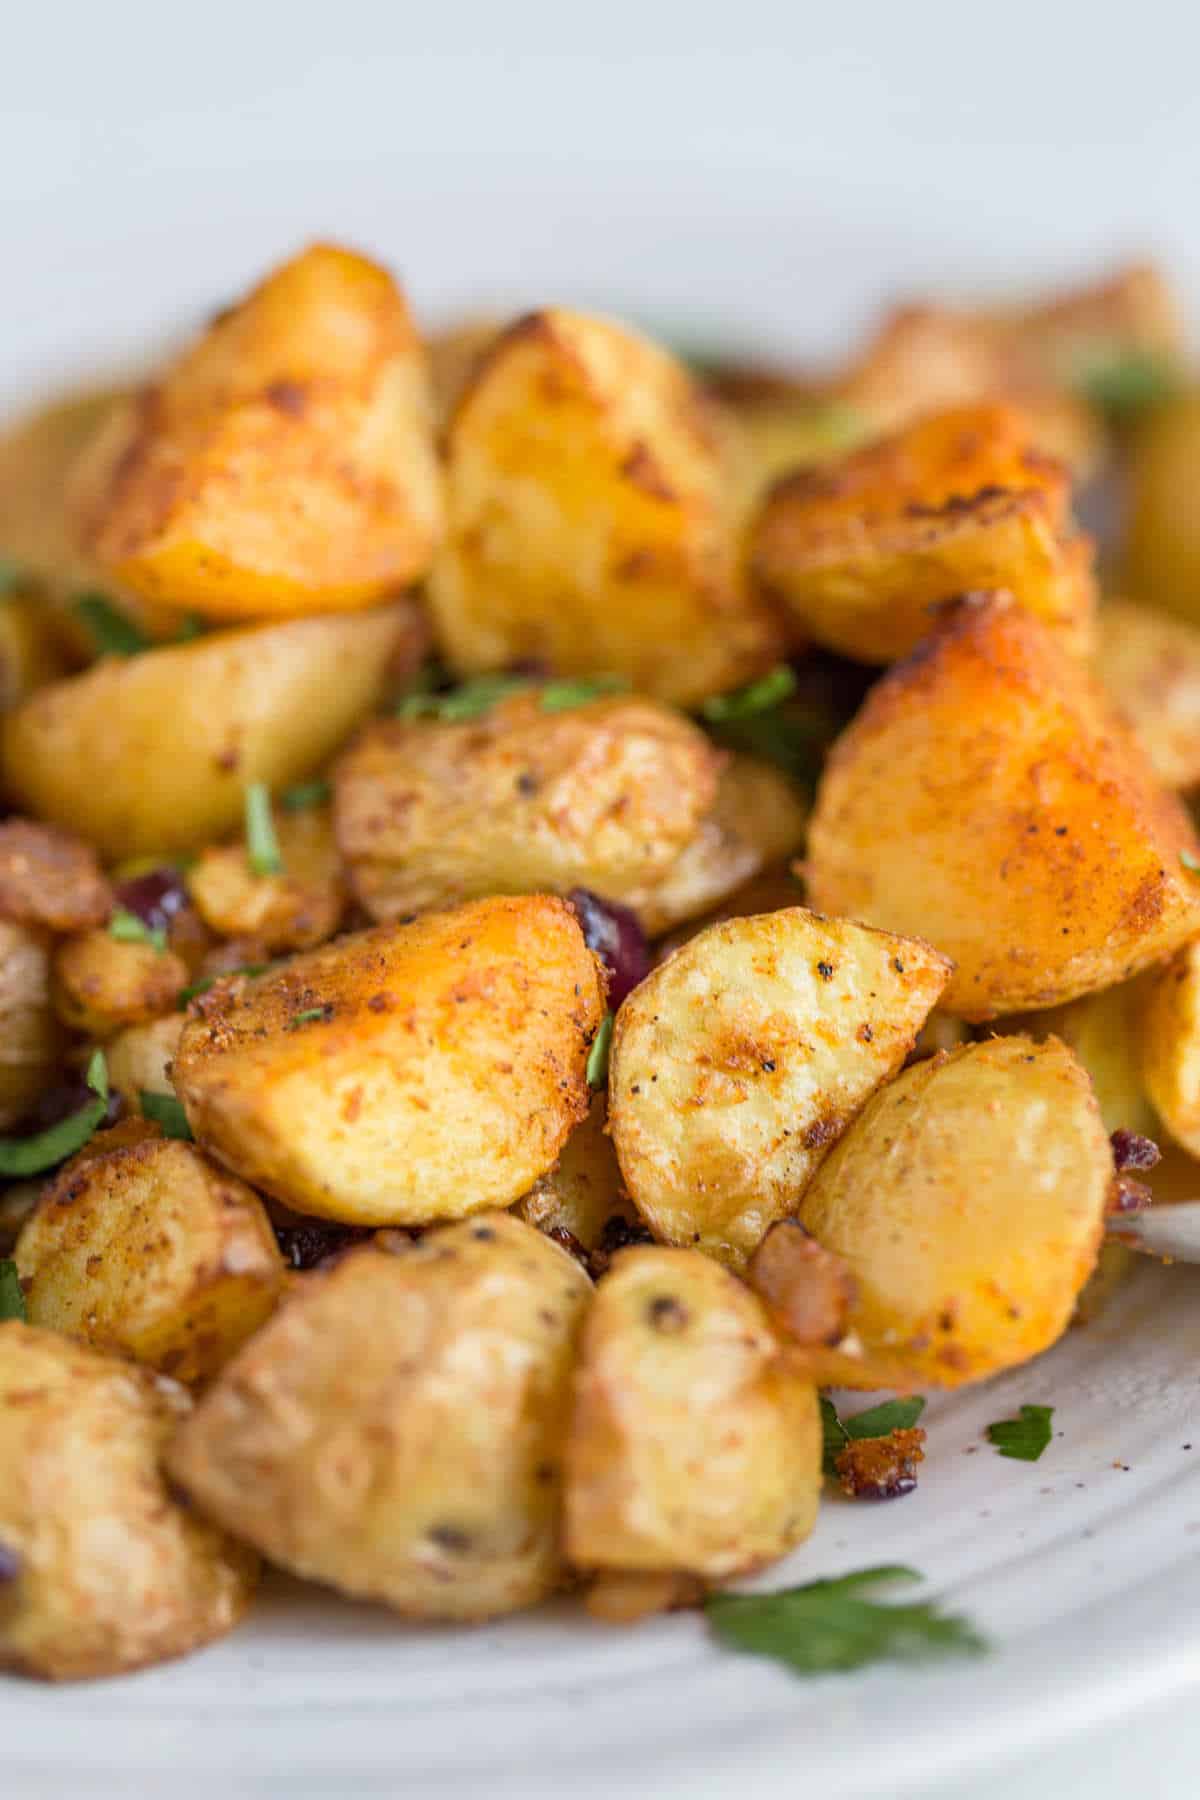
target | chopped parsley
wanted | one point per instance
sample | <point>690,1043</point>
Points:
<point>12,1296</point>
<point>1124,383</point>
<point>1190,861</point>
<point>12,576</point>
<point>1023,1438</point>
<point>827,1626</point>
<point>305,795</point>
<point>202,986</point>
<point>757,697</point>
<point>113,632</point>
<point>167,1112</point>
<point>597,1062</point>
<point>561,696</point>
<point>262,846</point>
<point>310,1015</point>
<point>33,1155</point>
<point>470,700</point>
<point>127,928</point>
<point>877,1421</point>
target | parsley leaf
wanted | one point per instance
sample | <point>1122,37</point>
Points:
<point>1123,383</point>
<point>262,846</point>
<point>561,696</point>
<point>12,1296</point>
<point>757,697</point>
<point>112,631</point>
<point>304,795</point>
<point>127,928</point>
<point>1190,861</point>
<point>1024,1438</point>
<point>876,1421</point>
<point>597,1062</point>
<point>834,1434</point>
<point>166,1111</point>
<point>12,577</point>
<point>202,986</point>
<point>33,1155</point>
<point>828,1625</point>
<point>308,1016</point>
<point>469,701</point>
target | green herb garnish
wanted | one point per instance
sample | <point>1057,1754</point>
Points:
<point>876,1421</point>
<point>308,1017</point>
<point>202,986</point>
<point>1023,1438</point>
<point>562,696</point>
<point>165,1111</point>
<point>305,795</point>
<point>789,730</point>
<point>12,1295</point>
<point>12,577</point>
<point>597,1062</point>
<point>1123,383</point>
<point>33,1155</point>
<point>1190,861</point>
<point>469,701</point>
<point>827,1626</point>
<point>757,697</point>
<point>127,928</point>
<point>262,846</point>
<point>113,632</point>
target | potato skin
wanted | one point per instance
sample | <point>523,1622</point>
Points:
<point>443,1077</point>
<point>591,518</point>
<point>102,984</point>
<point>31,1037</point>
<point>968,1200</point>
<point>739,1060</point>
<point>1150,665</point>
<point>152,753</point>
<point>987,795</point>
<point>295,910</point>
<point>604,796</point>
<point>692,1445</point>
<point>284,464</point>
<point>113,1573</point>
<point>152,1252</point>
<point>1169,1041</point>
<point>397,1429</point>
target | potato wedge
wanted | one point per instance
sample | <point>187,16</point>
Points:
<point>401,1075</point>
<point>31,1037</point>
<point>604,796</point>
<point>101,984</point>
<point>397,1429</point>
<point>737,1063</point>
<point>152,753</point>
<point>1162,547</point>
<point>988,796</point>
<point>140,1057</point>
<point>295,910</point>
<point>1150,664</point>
<point>152,1252</point>
<point>284,464</point>
<point>1103,1030</point>
<point>590,518</point>
<point>1169,1040</point>
<point>111,1574</point>
<point>860,551</point>
<point>692,1444</point>
<point>968,1200</point>
<point>49,878</point>
<point>582,1193</point>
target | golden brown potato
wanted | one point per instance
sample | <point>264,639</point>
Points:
<point>591,518</point>
<point>692,1444</point>
<point>152,1252</point>
<point>521,800</point>
<point>1170,1046</point>
<point>737,1062</point>
<point>148,754</point>
<point>31,654</point>
<point>1162,548</point>
<point>139,1058</point>
<point>968,1200</point>
<point>1103,1031</point>
<point>102,984</point>
<point>405,1074</point>
<point>397,1429</point>
<point>284,464</point>
<point>294,910</point>
<point>860,551</point>
<point>777,886</point>
<point>582,1193</point>
<point>988,797</point>
<point>1132,310</point>
<point>111,1573</point>
<point>31,1038</point>
<point>1150,664</point>
<point>49,878</point>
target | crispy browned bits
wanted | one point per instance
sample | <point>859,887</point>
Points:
<point>881,1468</point>
<point>808,1290</point>
<point>48,877</point>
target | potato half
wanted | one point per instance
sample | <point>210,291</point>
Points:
<point>31,1038</point>
<point>1150,664</point>
<point>583,1192</point>
<point>102,984</point>
<point>294,910</point>
<point>1170,1046</point>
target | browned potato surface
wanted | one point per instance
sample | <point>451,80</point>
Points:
<point>102,984</point>
<point>1162,549</point>
<point>591,518</point>
<point>739,1060</point>
<point>582,1193</point>
<point>139,1058</point>
<point>1170,1046</point>
<point>1150,664</point>
<point>295,910</point>
<point>405,1074</point>
<point>31,1038</point>
<point>284,464</point>
<point>148,754</point>
<point>397,1429</point>
<point>692,1445</point>
<point>49,878</point>
<point>111,1573</point>
<point>968,1201</point>
<point>988,797</point>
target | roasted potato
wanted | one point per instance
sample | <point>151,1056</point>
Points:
<point>152,1252</point>
<point>739,1060</point>
<point>1169,1041</point>
<point>860,551</point>
<point>49,878</point>
<point>284,464</point>
<point>31,1038</point>
<point>1103,1032</point>
<point>968,1202</point>
<point>988,797</point>
<point>152,753</point>
<point>109,1572</point>
<point>397,1429</point>
<point>455,352</point>
<point>31,654</point>
<point>102,984</point>
<point>1150,664</point>
<point>294,910</point>
<point>1162,547</point>
<point>582,1193</point>
<point>591,518</point>
<point>405,1074</point>
<point>692,1444</point>
<point>140,1057</point>
<point>1129,312</point>
<point>605,796</point>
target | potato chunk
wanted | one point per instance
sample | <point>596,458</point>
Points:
<point>110,1573</point>
<point>1162,551</point>
<point>140,1057</point>
<point>31,654</point>
<point>692,1445</point>
<point>284,464</point>
<point>102,984</point>
<point>591,518</point>
<point>582,1194</point>
<point>1150,664</point>
<point>1103,1031</point>
<point>295,910</point>
<point>988,797</point>
<point>49,878</point>
<point>152,1252</point>
<point>397,1429</point>
<point>968,1200</point>
<point>31,1038</point>
<point>738,1061</point>
<point>1170,1046</point>
<point>859,551</point>
<point>148,754</point>
<point>405,1074</point>
<point>603,796</point>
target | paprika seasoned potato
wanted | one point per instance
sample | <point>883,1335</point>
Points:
<point>988,796</point>
<point>1170,1045</point>
<point>397,1429</point>
<point>591,518</point>
<point>693,1445</point>
<point>294,910</point>
<point>1103,1031</point>
<point>582,1194</point>
<point>604,795</point>
<point>49,878</point>
<point>740,1059</point>
<point>102,984</point>
<point>152,1252</point>
<point>284,464</point>
<point>152,753</point>
<point>1150,664</point>
<point>111,1573</point>
<point>31,1038</point>
<point>139,1058</point>
<point>858,552</point>
<point>410,1073</point>
<point>968,1201</point>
